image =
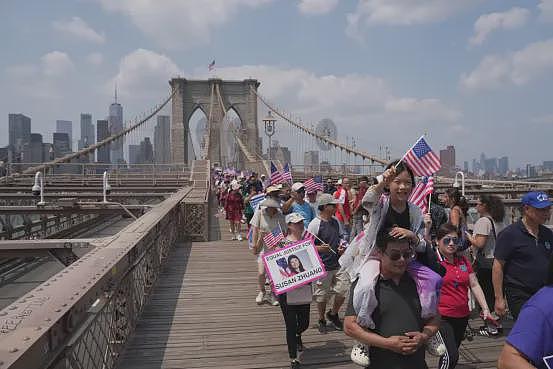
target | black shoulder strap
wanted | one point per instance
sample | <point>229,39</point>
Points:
<point>493,227</point>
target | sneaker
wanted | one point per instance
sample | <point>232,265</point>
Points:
<point>295,364</point>
<point>233,238</point>
<point>300,343</point>
<point>335,320</point>
<point>434,346</point>
<point>260,297</point>
<point>322,326</point>
<point>239,237</point>
<point>360,355</point>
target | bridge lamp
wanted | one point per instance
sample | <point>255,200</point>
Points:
<point>456,182</point>
<point>269,122</point>
<point>38,188</point>
<point>106,187</point>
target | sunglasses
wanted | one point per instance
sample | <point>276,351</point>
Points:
<point>395,255</point>
<point>448,240</point>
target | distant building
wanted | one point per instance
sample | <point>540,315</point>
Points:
<point>87,134</point>
<point>531,171</point>
<point>503,165</point>
<point>102,132</point>
<point>19,131</point>
<point>162,140</point>
<point>281,153</point>
<point>490,166</point>
<point>311,161</point>
<point>115,120</point>
<point>66,126</point>
<point>447,158</point>
<point>61,144</point>
<point>134,154</point>
<point>146,151</point>
<point>33,151</point>
<point>548,165</point>
<point>466,166</point>
<point>48,151</point>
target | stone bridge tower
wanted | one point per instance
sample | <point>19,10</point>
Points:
<point>196,94</point>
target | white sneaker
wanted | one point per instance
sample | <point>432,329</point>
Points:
<point>360,355</point>
<point>260,297</point>
<point>271,299</point>
<point>239,237</point>
<point>233,238</point>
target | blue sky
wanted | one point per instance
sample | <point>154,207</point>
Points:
<point>473,73</point>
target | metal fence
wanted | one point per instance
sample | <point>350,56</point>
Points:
<point>83,316</point>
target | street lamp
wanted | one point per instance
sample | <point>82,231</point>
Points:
<point>456,182</point>
<point>38,188</point>
<point>106,188</point>
<point>269,122</point>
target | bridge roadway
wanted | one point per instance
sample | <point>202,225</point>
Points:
<point>202,314</point>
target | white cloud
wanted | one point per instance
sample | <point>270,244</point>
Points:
<point>488,23</point>
<point>179,23</point>
<point>44,79</point>
<point>519,68</point>
<point>78,28</point>
<point>316,7</point>
<point>144,74</point>
<point>402,13</point>
<point>95,58</point>
<point>546,10</point>
<point>56,63</point>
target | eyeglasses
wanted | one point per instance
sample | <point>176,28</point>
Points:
<point>395,255</point>
<point>448,240</point>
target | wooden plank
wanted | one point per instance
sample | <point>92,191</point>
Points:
<point>202,314</point>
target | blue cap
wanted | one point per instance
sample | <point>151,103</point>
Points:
<point>537,200</point>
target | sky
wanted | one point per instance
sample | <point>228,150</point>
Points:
<point>476,74</point>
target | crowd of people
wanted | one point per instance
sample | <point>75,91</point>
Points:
<point>410,278</point>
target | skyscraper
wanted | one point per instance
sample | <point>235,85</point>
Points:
<point>162,140</point>
<point>87,131</point>
<point>102,132</point>
<point>19,131</point>
<point>447,158</point>
<point>311,161</point>
<point>134,154</point>
<point>115,120</point>
<point>503,165</point>
<point>146,151</point>
<point>66,126</point>
<point>61,144</point>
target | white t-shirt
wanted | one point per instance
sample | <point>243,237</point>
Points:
<point>483,227</point>
<point>266,223</point>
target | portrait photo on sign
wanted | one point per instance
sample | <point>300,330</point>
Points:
<point>293,266</point>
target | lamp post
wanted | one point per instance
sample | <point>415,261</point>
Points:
<point>269,122</point>
<point>456,182</point>
<point>106,188</point>
<point>38,188</point>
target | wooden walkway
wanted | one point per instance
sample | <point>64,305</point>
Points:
<point>202,314</point>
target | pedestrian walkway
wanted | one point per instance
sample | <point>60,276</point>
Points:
<point>202,314</point>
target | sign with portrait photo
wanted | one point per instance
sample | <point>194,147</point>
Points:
<point>293,266</point>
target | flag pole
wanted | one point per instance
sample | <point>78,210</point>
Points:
<point>407,152</point>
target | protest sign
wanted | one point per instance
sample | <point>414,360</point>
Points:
<point>293,266</point>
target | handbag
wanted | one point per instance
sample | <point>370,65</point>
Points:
<point>483,262</point>
<point>300,296</point>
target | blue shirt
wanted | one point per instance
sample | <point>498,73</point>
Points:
<point>526,258</point>
<point>532,334</point>
<point>305,210</point>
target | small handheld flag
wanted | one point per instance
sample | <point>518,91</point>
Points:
<point>272,238</point>
<point>419,195</point>
<point>421,159</point>
<point>286,174</point>
<point>276,175</point>
<point>256,200</point>
<point>211,65</point>
<point>314,184</point>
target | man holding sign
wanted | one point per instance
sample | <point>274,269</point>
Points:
<point>326,230</point>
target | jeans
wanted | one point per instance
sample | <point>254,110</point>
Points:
<point>296,318</point>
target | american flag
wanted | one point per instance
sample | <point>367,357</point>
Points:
<point>314,184</point>
<point>256,200</point>
<point>211,65</point>
<point>420,193</point>
<point>276,176</point>
<point>250,237</point>
<point>308,236</point>
<point>272,238</point>
<point>286,173</point>
<point>422,160</point>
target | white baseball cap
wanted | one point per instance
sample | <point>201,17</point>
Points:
<point>294,218</point>
<point>326,199</point>
<point>297,186</point>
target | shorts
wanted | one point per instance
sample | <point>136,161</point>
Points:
<point>335,282</point>
<point>260,264</point>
